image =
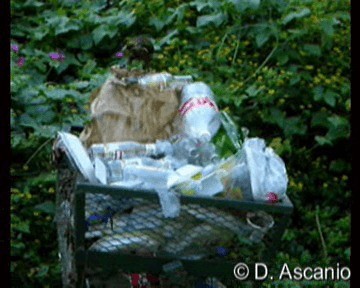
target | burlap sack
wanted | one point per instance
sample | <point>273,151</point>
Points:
<point>123,112</point>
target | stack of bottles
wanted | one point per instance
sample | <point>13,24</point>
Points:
<point>189,163</point>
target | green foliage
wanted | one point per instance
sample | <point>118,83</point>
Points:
<point>282,68</point>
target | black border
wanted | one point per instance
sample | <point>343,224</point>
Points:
<point>355,146</point>
<point>5,143</point>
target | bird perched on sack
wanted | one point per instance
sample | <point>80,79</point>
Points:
<point>138,48</point>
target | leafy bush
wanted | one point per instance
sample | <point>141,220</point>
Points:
<point>280,67</point>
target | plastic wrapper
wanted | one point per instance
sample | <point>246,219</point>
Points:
<point>267,170</point>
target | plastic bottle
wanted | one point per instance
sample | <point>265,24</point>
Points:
<point>231,130</point>
<point>161,80</point>
<point>109,171</point>
<point>199,112</point>
<point>129,149</point>
<point>186,148</point>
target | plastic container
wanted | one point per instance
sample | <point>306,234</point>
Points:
<point>199,112</point>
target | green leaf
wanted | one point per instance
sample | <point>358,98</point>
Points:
<point>327,25</point>
<point>41,112</point>
<point>157,23</point>
<point>339,128</point>
<point>294,80</point>
<point>322,140</point>
<point>83,42</point>
<point>282,58</point>
<point>166,39</point>
<point>252,91</point>
<point>262,38</point>
<point>39,33</point>
<point>318,93</point>
<point>338,121</point>
<point>296,15</point>
<point>99,33</point>
<point>59,94</point>
<point>320,119</point>
<point>216,19</point>
<point>277,117</point>
<point>22,226</point>
<point>64,28</point>
<point>294,126</point>
<point>27,121</point>
<point>242,5</point>
<point>312,49</point>
<point>46,131</point>
<point>330,98</point>
<point>32,3</point>
<point>199,4</point>
<point>47,207</point>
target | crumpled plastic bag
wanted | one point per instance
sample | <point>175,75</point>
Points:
<point>267,170</point>
<point>170,203</point>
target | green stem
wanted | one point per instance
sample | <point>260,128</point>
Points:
<point>221,45</point>
<point>37,151</point>
<point>262,64</point>
<point>236,51</point>
<point>320,232</point>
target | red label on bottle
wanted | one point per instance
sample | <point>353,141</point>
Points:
<point>196,103</point>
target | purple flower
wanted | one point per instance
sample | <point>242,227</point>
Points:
<point>119,54</point>
<point>15,48</point>
<point>57,56</point>
<point>20,62</point>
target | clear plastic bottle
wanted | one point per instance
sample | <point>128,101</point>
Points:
<point>231,130</point>
<point>199,112</point>
<point>161,80</point>
<point>129,149</point>
<point>109,171</point>
<point>186,148</point>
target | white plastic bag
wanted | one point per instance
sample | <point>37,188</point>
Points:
<point>267,170</point>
